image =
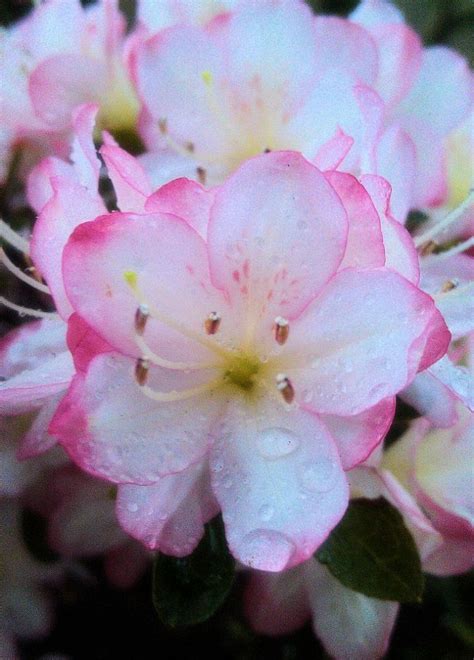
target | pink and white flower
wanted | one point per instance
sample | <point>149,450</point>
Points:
<point>358,94</point>
<point>266,344</point>
<point>61,56</point>
<point>428,477</point>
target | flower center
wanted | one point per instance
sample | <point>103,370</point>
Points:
<point>241,371</point>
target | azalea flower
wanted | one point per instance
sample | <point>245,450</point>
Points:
<point>427,476</point>
<point>61,56</point>
<point>255,339</point>
<point>352,94</point>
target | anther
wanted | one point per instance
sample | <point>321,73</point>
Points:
<point>266,151</point>
<point>189,146</point>
<point>212,323</point>
<point>428,248</point>
<point>449,285</point>
<point>285,387</point>
<point>201,175</point>
<point>281,328</point>
<point>141,317</point>
<point>141,371</point>
<point>163,126</point>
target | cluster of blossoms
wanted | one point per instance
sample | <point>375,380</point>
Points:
<point>236,314</point>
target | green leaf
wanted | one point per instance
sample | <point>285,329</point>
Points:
<point>372,552</point>
<point>190,589</point>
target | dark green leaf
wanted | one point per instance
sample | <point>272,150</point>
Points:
<point>189,590</point>
<point>372,552</point>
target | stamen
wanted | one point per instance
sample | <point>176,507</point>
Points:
<point>189,146</point>
<point>131,278</point>
<point>285,387</point>
<point>201,175</point>
<point>457,249</point>
<point>163,125</point>
<point>141,317</point>
<point>175,395</point>
<point>212,323</point>
<point>267,151</point>
<point>168,364</point>
<point>448,220</point>
<point>141,371</point>
<point>14,239</point>
<point>281,328</point>
<point>427,248</point>
<point>27,311</point>
<point>449,285</point>
<point>17,272</point>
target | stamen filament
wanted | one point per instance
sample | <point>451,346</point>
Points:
<point>176,395</point>
<point>131,279</point>
<point>457,249</point>
<point>14,239</point>
<point>454,291</point>
<point>449,219</point>
<point>27,311</point>
<point>169,364</point>
<point>17,272</point>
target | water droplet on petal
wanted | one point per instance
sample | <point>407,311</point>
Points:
<point>276,442</point>
<point>318,477</point>
<point>266,549</point>
<point>132,507</point>
<point>266,512</point>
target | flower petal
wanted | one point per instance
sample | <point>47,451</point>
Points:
<point>400,251</point>
<point>170,514</point>
<point>70,205</point>
<point>186,199</point>
<point>357,436</point>
<point>277,233</point>
<point>129,179</point>
<point>366,336</point>
<point>164,255</point>
<point>443,92</point>
<point>112,430</point>
<point>364,247</point>
<point>35,366</point>
<point>350,625</point>
<point>278,479</point>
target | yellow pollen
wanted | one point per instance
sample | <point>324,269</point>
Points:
<point>241,371</point>
<point>131,278</point>
<point>207,77</point>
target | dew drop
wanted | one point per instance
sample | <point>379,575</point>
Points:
<point>132,507</point>
<point>266,549</point>
<point>318,477</point>
<point>276,442</point>
<point>266,512</point>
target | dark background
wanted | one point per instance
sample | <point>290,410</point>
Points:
<point>97,622</point>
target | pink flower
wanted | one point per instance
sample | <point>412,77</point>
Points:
<point>428,93</point>
<point>436,502</point>
<point>59,57</point>
<point>268,75</point>
<point>265,345</point>
<point>361,95</point>
<point>435,465</point>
